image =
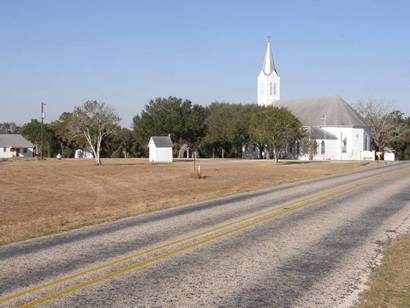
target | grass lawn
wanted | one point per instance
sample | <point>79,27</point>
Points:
<point>390,282</point>
<point>44,197</point>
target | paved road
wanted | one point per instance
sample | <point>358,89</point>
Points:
<point>303,244</point>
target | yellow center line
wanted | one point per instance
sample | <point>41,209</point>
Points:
<point>286,206</point>
<point>146,262</point>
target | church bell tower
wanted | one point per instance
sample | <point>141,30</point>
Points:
<point>268,80</point>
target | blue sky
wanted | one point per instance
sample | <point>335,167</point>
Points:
<point>126,52</point>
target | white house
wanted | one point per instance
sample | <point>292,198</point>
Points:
<point>160,149</point>
<point>339,131</point>
<point>13,145</point>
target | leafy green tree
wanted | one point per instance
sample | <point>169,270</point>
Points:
<point>228,127</point>
<point>401,140</point>
<point>122,143</point>
<point>179,118</point>
<point>220,128</point>
<point>275,127</point>
<point>241,118</point>
<point>32,132</point>
<point>195,126</point>
<point>161,116</point>
<point>67,141</point>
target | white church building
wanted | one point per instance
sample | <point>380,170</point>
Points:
<point>339,131</point>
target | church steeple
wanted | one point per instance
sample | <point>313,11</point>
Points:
<point>268,64</point>
<point>268,80</point>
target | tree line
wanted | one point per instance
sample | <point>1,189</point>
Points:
<point>217,130</point>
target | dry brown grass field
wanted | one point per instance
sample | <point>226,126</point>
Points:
<point>44,197</point>
<point>390,283</point>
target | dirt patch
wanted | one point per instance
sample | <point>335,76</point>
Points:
<point>44,197</point>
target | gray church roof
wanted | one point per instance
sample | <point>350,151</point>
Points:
<point>323,111</point>
<point>14,140</point>
<point>318,133</point>
<point>162,141</point>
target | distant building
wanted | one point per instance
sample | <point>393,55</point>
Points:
<point>389,154</point>
<point>160,149</point>
<point>13,145</point>
<point>338,130</point>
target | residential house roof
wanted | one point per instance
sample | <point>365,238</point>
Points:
<point>14,140</point>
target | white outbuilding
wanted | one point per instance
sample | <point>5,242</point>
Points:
<point>160,149</point>
<point>389,154</point>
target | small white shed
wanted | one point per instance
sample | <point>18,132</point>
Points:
<point>389,154</point>
<point>160,149</point>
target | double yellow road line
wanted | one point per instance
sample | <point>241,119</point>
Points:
<point>183,244</point>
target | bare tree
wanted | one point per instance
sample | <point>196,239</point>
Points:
<point>309,145</point>
<point>376,114</point>
<point>94,121</point>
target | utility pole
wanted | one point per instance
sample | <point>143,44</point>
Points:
<point>43,115</point>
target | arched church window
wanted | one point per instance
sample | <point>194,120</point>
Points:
<point>344,145</point>
<point>322,147</point>
<point>270,88</point>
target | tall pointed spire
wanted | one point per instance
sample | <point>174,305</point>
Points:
<point>268,64</point>
<point>268,83</point>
